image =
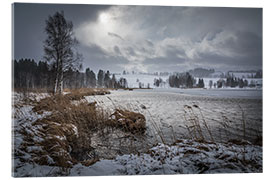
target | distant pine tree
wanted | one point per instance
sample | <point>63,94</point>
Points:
<point>100,78</point>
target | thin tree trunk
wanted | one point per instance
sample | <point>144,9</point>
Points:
<point>56,85</point>
<point>61,77</point>
<point>61,82</point>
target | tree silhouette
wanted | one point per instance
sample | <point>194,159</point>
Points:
<point>100,78</point>
<point>59,47</point>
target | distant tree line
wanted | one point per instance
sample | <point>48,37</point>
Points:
<point>184,80</point>
<point>29,74</point>
<point>104,80</point>
<point>200,83</point>
<point>232,82</point>
<point>257,75</point>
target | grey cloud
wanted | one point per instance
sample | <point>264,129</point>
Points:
<point>247,44</point>
<point>95,58</point>
<point>173,60</point>
<point>195,22</point>
<point>170,64</point>
<point>117,50</point>
<point>115,35</point>
<point>225,63</point>
<point>131,51</point>
<point>149,43</point>
<point>94,50</point>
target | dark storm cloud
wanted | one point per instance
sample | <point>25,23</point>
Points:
<point>246,49</point>
<point>240,63</point>
<point>96,58</point>
<point>149,38</point>
<point>247,43</point>
<point>170,62</point>
<point>29,24</point>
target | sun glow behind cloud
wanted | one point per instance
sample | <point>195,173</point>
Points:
<point>116,37</point>
<point>104,18</point>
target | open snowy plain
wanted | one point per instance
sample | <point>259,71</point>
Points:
<point>230,122</point>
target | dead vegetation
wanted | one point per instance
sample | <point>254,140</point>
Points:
<point>64,137</point>
<point>60,103</point>
<point>79,94</point>
<point>131,89</point>
<point>129,121</point>
<point>196,124</point>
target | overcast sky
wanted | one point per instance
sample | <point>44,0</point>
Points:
<point>149,38</point>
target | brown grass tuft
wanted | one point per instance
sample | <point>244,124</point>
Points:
<point>79,94</point>
<point>129,121</point>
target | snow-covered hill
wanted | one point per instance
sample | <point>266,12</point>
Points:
<point>134,80</point>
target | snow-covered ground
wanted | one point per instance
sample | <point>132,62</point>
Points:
<point>166,111</point>
<point>22,118</point>
<point>186,157</point>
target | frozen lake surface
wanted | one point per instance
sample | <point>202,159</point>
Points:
<point>249,93</point>
<point>223,110</point>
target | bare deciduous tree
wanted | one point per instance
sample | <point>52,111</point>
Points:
<point>60,47</point>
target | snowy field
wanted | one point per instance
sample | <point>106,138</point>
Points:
<point>168,148</point>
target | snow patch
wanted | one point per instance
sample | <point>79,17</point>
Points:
<point>186,157</point>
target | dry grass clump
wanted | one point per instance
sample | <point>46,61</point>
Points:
<point>196,124</point>
<point>79,94</point>
<point>52,103</point>
<point>129,121</point>
<point>60,103</point>
<point>64,137</point>
<point>56,144</point>
<point>131,89</point>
